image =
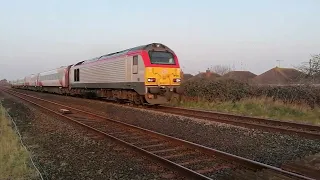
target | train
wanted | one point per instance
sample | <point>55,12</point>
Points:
<point>146,74</point>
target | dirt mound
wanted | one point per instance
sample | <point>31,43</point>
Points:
<point>278,76</point>
<point>243,76</point>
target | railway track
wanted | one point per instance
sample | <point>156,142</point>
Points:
<point>301,129</point>
<point>306,130</point>
<point>192,160</point>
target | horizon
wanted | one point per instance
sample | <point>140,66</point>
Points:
<point>38,36</point>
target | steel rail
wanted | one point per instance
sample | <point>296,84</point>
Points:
<point>167,162</point>
<point>305,130</point>
<point>227,156</point>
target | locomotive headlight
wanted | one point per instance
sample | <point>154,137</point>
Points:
<point>151,79</point>
<point>177,80</point>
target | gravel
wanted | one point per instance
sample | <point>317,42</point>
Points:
<point>61,151</point>
<point>266,147</point>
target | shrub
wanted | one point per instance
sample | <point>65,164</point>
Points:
<point>222,90</point>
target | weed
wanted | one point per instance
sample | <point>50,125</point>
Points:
<point>14,159</point>
<point>260,107</point>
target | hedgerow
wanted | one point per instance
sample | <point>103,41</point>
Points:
<point>221,90</point>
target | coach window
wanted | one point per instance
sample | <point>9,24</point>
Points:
<point>76,75</point>
<point>135,65</point>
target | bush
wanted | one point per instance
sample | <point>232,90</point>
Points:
<point>222,90</point>
<point>291,94</point>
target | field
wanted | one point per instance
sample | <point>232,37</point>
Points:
<point>300,103</point>
<point>14,159</point>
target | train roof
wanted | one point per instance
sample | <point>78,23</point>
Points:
<point>123,52</point>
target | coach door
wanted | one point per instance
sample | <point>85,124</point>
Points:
<point>135,65</point>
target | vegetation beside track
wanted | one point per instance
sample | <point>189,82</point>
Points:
<point>14,159</point>
<point>264,108</point>
<point>300,103</point>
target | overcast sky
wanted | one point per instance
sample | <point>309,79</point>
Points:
<point>39,35</point>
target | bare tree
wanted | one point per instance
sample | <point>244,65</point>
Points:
<point>311,68</point>
<point>220,69</point>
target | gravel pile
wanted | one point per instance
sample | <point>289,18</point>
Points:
<point>61,151</point>
<point>266,147</point>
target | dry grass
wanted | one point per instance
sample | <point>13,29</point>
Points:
<point>261,107</point>
<point>14,159</point>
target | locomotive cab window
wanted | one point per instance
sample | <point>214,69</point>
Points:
<point>158,57</point>
<point>135,65</point>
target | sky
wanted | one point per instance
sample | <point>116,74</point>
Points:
<point>39,35</point>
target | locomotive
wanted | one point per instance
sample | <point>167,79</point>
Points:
<point>146,74</point>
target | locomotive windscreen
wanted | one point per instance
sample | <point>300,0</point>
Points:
<point>159,57</point>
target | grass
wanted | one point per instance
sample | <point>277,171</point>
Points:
<point>261,107</point>
<point>14,159</point>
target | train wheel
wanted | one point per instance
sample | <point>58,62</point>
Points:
<point>137,100</point>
